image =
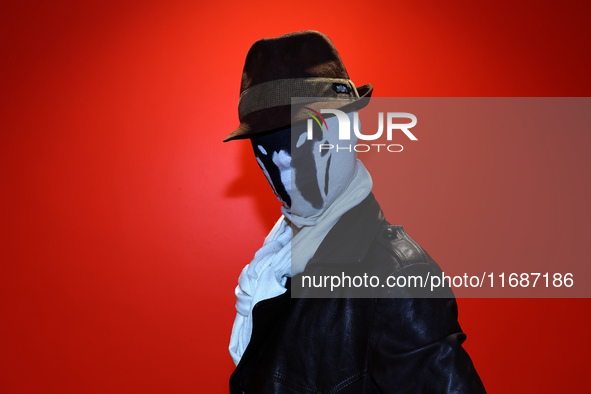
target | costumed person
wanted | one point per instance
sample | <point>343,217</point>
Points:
<point>330,223</point>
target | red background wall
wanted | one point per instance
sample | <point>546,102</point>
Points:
<point>126,220</point>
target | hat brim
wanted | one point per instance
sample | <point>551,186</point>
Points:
<point>278,118</point>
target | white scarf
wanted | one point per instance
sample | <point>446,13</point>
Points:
<point>267,273</point>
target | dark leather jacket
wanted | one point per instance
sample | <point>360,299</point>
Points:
<point>358,345</point>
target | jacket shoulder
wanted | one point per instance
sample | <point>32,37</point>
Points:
<point>405,251</point>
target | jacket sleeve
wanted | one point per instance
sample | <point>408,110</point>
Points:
<point>417,348</point>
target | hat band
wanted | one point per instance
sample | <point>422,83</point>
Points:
<point>279,92</point>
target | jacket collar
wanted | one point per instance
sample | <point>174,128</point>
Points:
<point>350,238</point>
<point>347,242</point>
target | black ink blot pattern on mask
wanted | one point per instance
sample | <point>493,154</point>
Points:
<point>323,152</point>
<point>275,175</point>
<point>326,176</point>
<point>305,170</point>
<point>274,143</point>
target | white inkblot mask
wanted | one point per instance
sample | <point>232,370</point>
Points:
<point>306,178</point>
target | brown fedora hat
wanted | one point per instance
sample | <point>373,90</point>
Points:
<point>301,64</point>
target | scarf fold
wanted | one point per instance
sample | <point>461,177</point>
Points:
<point>283,255</point>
